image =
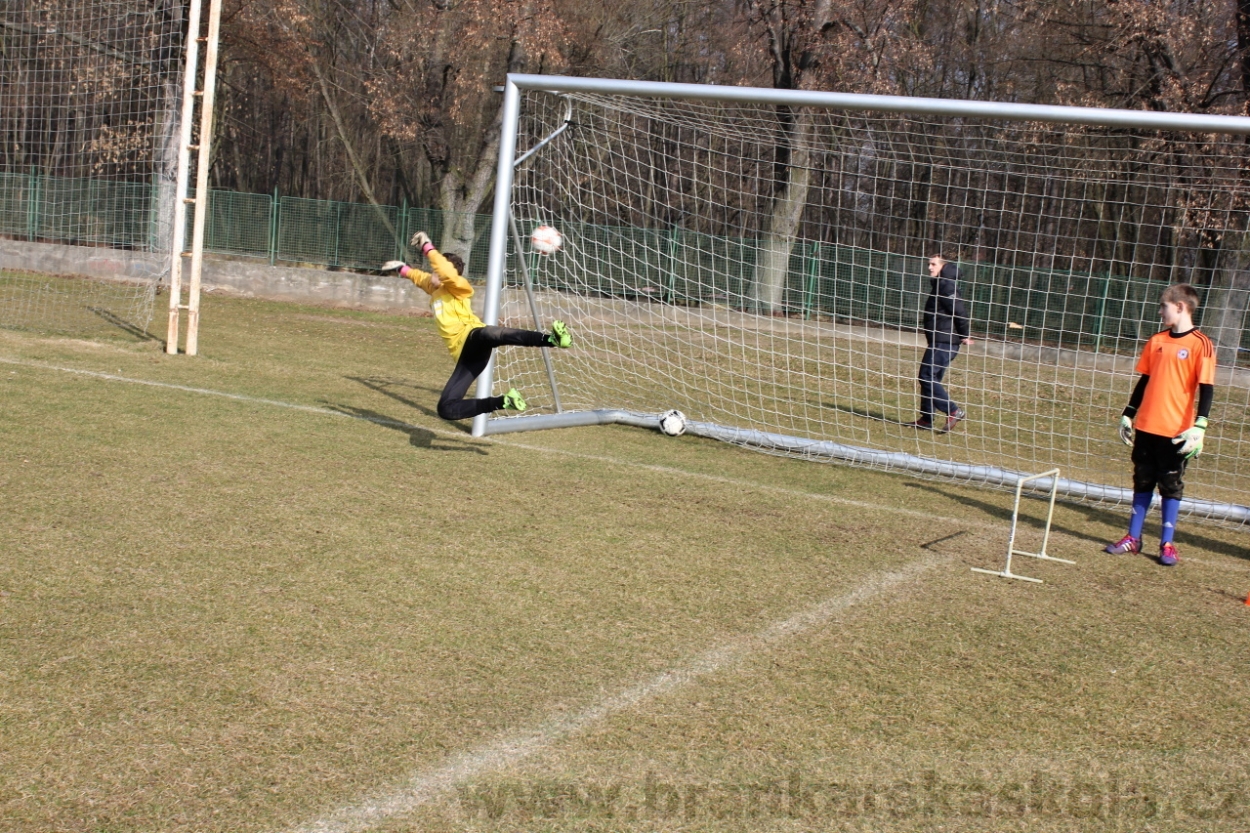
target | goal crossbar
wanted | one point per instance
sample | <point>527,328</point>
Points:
<point>1013,111</point>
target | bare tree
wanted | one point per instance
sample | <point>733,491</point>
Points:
<point>812,45</point>
<point>434,91</point>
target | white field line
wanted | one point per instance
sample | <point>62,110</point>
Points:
<point>238,397</point>
<point>433,784</point>
<point>928,517</point>
<point>430,785</point>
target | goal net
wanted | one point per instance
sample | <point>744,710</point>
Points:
<point>759,262</point>
<point>89,108</point>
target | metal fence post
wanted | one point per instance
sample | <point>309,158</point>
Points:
<point>273,227</point>
<point>32,204</point>
<point>402,224</point>
<point>670,290</point>
<point>813,280</point>
<point>1102,312</point>
<point>338,232</point>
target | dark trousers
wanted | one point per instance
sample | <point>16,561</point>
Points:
<point>1157,461</point>
<point>473,360</point>
<point>933,397</point>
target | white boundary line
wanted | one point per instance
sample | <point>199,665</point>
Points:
<point>513,747</point>
<point>763,487</point>
<point>238,397</point>
<point>929,517</point>
<point>430,785</point>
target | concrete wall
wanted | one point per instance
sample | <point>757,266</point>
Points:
<point>252,279</point>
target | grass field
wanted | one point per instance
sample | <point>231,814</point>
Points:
<point>267,589</point>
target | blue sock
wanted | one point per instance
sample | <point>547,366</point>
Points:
<point>1141,505</point>
<point>1171,511</point>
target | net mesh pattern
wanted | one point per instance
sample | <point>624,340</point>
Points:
<point>90,97</point>
<point>764,268</point>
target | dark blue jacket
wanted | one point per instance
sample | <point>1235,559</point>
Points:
<point>945,318</point>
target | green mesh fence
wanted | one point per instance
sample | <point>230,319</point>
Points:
<point>322,232</point>
<point>1099,311</point>
<point>78,211</point>
<point>1110,313</point>
<point>238,224</point>
<point>15,203</point>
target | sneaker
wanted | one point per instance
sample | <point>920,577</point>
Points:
<point>954,419</point>
<point>560,336</point>
<point>1168,556</point>
<point>1127,544</point>
<point>512,400</point>
<point>921,424</point>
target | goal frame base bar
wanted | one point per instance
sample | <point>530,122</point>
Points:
<point>889,460</point>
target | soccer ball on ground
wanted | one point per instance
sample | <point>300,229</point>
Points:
<point>673,423</point>
<point>546,240</point>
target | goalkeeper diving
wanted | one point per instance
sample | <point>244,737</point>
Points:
<point>469,341</point>
<point>1177,366</point>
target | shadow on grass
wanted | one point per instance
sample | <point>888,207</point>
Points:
<point>1189,533</point>
<point>1001,513</point>
<point>859,412</point>
<point>417,436</point>
<point>1226,594</point>
<point>126,326</point>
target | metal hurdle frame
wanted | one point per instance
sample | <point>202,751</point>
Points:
<point>1053,474</point>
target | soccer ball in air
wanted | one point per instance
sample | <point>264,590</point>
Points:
<point>673,423</point>
<point>546,240</point>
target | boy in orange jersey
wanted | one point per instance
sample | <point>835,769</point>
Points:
<point>1177,365</point>
<point>469,341</point>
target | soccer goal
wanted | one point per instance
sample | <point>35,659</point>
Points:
<point>757,259</point>
<point>90,106</point>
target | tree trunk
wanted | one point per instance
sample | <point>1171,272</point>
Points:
<point>462,198</point>
<point>171,24</point>
<point>773,266</point>
<point>463,201</point>
<point>166,165</point>
<point>1224,319</point>
<point>362,175</point>
<point>1243,49</point>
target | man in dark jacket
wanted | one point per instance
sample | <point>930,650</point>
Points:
<point>945,328</point>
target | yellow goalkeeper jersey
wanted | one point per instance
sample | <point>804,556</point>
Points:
<point>449,303</point>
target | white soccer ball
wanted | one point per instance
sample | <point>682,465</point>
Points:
<point>546,240</point>
<point>673,423</point>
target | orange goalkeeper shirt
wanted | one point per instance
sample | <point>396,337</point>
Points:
<point>1176,365</point>
<point>449,303</point>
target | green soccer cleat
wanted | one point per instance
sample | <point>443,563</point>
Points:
<point>512,400</point>
<point>560,336</point>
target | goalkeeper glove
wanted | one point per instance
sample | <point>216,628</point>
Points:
<point>420,240</point>
<point>1126,430</point>
<point>393,265</point>
<point>1190,439</point>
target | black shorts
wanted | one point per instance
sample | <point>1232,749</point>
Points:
<point>1157,461</point>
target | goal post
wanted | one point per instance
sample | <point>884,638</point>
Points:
<point>756,259</point>
<point>201,141</point>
